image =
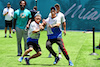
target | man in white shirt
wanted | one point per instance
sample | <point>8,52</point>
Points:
<point>63,21</point>
<point>8,12</point>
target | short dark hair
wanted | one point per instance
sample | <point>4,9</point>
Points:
<point>53,8</point>
<point>22,0</point>
<point>35,7</point>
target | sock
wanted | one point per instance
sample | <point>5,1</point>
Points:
<point>5,34</point>
<point>9,34</point>
<point>59,53</point>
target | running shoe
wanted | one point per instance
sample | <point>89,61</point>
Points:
<point>50,55</point>
<point>56,60</point>
<point>70,63</point>
<point>27,61</point>
<point>20,59</point>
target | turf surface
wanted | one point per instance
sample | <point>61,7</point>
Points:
<point>78,45</point>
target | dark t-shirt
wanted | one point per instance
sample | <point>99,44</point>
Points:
<point>33,12</point>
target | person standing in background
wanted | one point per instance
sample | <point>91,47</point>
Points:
<point>8,12</point>
<point>33,12</point>
<point>22,20</point>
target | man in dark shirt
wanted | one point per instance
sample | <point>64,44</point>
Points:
<point>33,12</point>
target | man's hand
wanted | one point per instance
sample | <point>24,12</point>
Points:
<point>41,27</point>
<point>64,33</point>
<point>50,26</point>
<point>6,13</point>
<point>43,22</point>
<point>27,26</point>
<point>14,31</point>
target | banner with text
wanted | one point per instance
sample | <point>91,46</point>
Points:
<point>80,14</point>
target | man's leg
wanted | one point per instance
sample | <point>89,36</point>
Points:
<point>37,49</point>
<point>61,45</point>
<point>59,52</point>
<point>49,47</point>
<point>26,52</point>
<point>6,28</point>
<point>10,32</point>
<point>25,35</point>
<point>5,31</point>
<point>19,38</point>
<point>10,26</point>
<point>36,55</point>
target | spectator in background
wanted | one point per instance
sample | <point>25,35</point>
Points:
<point>33,12</point>
<point>8,12</point>
<point>22,20</point>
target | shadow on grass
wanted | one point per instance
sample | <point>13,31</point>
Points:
<point>43,65</point>
<point>47,57</point>
<point>13,56</point>
<point>6,37</point>
<point>97,59</point>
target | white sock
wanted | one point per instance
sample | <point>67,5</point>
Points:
<point>5,34</point>
<point>59,49</point>
<point>9,34</point>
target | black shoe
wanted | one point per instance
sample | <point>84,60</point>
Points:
<point>98,58</point>
<point>10,36</point>
<point>27,61</point>
<point>19,54</point>
<point>98,47</point>
<point>5,36</point>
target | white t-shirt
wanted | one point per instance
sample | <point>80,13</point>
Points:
<point>52,21</point>
<point>61,16</point>
<point>33,26</point>
<point>10,14</point>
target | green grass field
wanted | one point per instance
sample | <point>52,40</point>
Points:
<point>77,44</point>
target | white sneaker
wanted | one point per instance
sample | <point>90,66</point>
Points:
<point>60,56</point>
<point>28,54</point>
<point>50,55</point>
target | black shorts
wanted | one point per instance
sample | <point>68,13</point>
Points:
<point>8,23</point>
<point>36,47</point>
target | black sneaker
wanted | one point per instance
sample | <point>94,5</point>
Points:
<point>19,54</point>
<point>56,60</point>
<point>5,36</point>
<point>98,58</point>
<point>98,47</point>
<point>27,61</point>
<point>10,36</point>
